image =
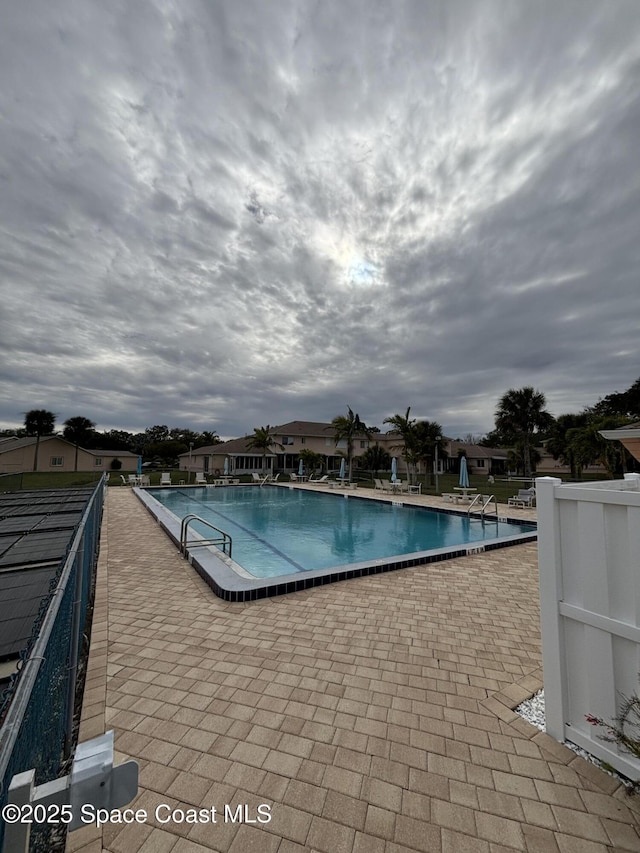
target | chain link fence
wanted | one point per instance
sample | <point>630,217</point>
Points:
<point>37,708</point>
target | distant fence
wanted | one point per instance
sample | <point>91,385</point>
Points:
<point>36,711</point>
<point>589,560</point>
<point>10,482</point>
<point>20,480</point>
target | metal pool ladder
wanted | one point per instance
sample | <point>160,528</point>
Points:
<point>223,539</point>
<point>488,500</point>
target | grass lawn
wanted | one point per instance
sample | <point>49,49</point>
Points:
<point>502,488</point>
<point>48,480</point>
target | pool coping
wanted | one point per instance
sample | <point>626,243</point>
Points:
<point>230,586</point>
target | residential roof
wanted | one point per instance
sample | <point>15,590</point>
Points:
<point>14,442</point>
<point>306,428</point>
<point>226,448</point>
<point>302,428</point>
<point>628,431</point>
<point>476,451</point>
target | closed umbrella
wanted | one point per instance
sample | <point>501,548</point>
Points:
<point>464,474</point>
<point>343,468</point>
<point>226,466</point>
<point>300,469</point>
<point>139,470</point>
<point>394,469</point>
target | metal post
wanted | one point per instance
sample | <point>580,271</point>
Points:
<point>76,632</point>
<point>437,445</point>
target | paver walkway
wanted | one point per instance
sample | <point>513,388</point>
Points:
<point>371,716</point>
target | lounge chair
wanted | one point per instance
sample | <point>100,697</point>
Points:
<point>201,480</point>
<point>256,477</point>
<point>322,480</point>
<point>293,478</point>
<point>377,485</point>
<point>525,498</point>
<point>165,479</point>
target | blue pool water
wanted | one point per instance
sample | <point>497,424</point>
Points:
<point>279,531</point>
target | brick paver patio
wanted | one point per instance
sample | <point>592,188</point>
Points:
<point>371,716</point>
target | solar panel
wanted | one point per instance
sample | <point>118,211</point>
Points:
<point>36,530</point>
<point>20,523</point>
<point>37,548</point>
<point>21,593</point>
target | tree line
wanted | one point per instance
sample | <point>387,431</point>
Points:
<point>156,443</point>
<point>522,424</point>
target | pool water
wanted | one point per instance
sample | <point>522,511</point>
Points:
<point>281,531</point>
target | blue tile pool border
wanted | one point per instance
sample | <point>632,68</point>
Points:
<point>232,587</point>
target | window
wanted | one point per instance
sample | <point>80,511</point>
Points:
<point>98,461</point>
<point>328,442</point>
<point>303,440</point>
<point>364,445</point>
<point>56,461</point>
<point>479,463</point>
<point>286,440</point>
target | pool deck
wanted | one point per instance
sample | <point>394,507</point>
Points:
<point>372,716</point>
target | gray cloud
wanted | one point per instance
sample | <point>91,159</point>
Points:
<point>224,214</point>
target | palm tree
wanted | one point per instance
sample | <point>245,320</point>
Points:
<point>588,446</point>
<point>80,431</point>
<point>405,427</point>
<point>311,460</point>
<point>39,422</point>
<point>375,459</point>
<point>347,427</point>
<point>206,438</point>
<point>520,414</point>
<point>425,436</point>
<point>560,444</point>
<point>262,440</point>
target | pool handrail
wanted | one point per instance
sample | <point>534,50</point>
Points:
<point>224,539</point>
<point>488,500</point>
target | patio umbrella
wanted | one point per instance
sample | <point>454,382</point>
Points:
<point>300,469</point>
<point>343,468</point>
<point>226,466</point>
<point>464,474</point>
<point>139,469</point>
<point>394,469</point>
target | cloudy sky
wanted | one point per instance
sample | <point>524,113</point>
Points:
<point>221,214</point>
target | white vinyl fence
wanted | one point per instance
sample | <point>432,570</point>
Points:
<point>589,561</point>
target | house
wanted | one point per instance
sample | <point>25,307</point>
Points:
<point>548,466</point>
<point>289,439</point>
<point>54,453</point>
<point>293,437</point>
<point>231,457</point>
<point>480,460</point>
<point>629,436</point>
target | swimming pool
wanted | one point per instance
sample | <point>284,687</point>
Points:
<point>282,536</point>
